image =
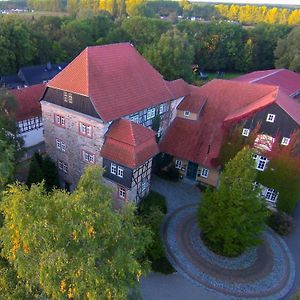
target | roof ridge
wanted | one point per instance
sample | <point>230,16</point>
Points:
<point>265,76</point>
<point>88,70</point>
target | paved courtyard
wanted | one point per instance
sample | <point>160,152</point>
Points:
<point>266,272</point>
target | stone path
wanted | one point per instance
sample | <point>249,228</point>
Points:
<point>264,273</point>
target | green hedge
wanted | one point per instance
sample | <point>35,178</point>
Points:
<point>152,210</point>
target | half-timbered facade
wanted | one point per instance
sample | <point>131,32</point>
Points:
<point>29,114</point>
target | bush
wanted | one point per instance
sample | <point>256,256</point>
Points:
<point>281,222</point>
<point>152,210</point>
<point>154,199</point>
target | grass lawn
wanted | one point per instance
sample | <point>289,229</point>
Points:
<point>213,75</point>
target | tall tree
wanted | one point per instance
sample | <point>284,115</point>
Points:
<point>75,245</point>
<point>287,52</point>
<point>173,55</point>
<point>232,216</point>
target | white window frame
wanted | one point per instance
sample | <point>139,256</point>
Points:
<point>270,118</point>
<point>285,141</point>
<point>186,113</point>
<point>122,192</point>
<point>271,195</point>
<point>134,118</point>
<point>150,113</point>
<point>145,184</point>
<point>65,95</point>
<point>88,157</point>
<point>113,169</point>
<point>70,98</point>
<point>62,166</point>
<point>85,129</point>
<point>120,172</point>
<point>162,108</point>
<point>60,145</point>
<point>246,132</point>
<point>261,163</point>
<point>204,173</point>
<point>178,164</point>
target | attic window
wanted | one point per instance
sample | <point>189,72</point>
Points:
<point>285,141</point>
<point>245,132</point>
<point>204,173</point>
<point>270,118</point>
<point>68,97</point>
<point>186,113</point>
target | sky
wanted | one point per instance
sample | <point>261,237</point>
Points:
<point>282,2</point>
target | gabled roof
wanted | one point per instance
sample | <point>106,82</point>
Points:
<point>118,80</point>
<point>193,103</point>
<point>28,100</point>
<point>288,81</point>
<point>129,144</point>
<point>179,88</point>
<point>200,141</point>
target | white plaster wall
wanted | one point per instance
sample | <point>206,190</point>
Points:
<point>33,137</point>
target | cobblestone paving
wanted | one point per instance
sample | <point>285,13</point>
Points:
<point>265,272</point>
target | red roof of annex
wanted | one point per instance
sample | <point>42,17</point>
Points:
<point>129,143</point>
<point>28,100</point>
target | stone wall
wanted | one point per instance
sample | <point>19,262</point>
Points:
<point>74,141</point>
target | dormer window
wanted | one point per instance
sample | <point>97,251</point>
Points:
<point>245,132</point>
<point>285,141</point>
<point>270,118</point>
<point>68,97</point>
<point>186,113</point>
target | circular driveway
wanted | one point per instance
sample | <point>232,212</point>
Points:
<point>264,272</point>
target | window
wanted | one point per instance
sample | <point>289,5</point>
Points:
<point>59,120</point>
<point>162,108</point>
<point>245,132</point>
<point>285,141</point>
<point>271,195</point>
<point>261,163</point>
<point>178,164</point>
<point>186,113</point>
<point>144,184</point>
<point>30,124</point>
<point>122,192</point>
<point>88,157</point>
<point>134,118</point>
<point>60,145</point>
<point>204,172</point>
<point>68,97</point>
<point>85,129</point>
<point>120,172</point>
<point>150,113</point>
<point>113,169</point>
<point>62,166</point>
<point>270,118</point>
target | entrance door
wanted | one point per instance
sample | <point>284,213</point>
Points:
<point>191,171</point>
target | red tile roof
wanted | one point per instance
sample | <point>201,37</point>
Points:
<point>129,144</point>
<point>288,81</point>
<point>179,88</point>
<point>118,80</point>
<point>28,100</point>
<point>193,102</point>
<point>200,141</point>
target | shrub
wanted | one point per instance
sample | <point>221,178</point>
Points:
<point>152,210</point>
<point>281,222</point>
<point>154,199</point>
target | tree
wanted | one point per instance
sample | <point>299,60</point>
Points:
<point>172,56</point>
<point>287,51</point>
<point>232,216</point>
<point>6,163</point>
<point>35,174</point>
<point>75,245</point>
<point>282,173</point>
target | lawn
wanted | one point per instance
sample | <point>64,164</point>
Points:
<point>213,75</point>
